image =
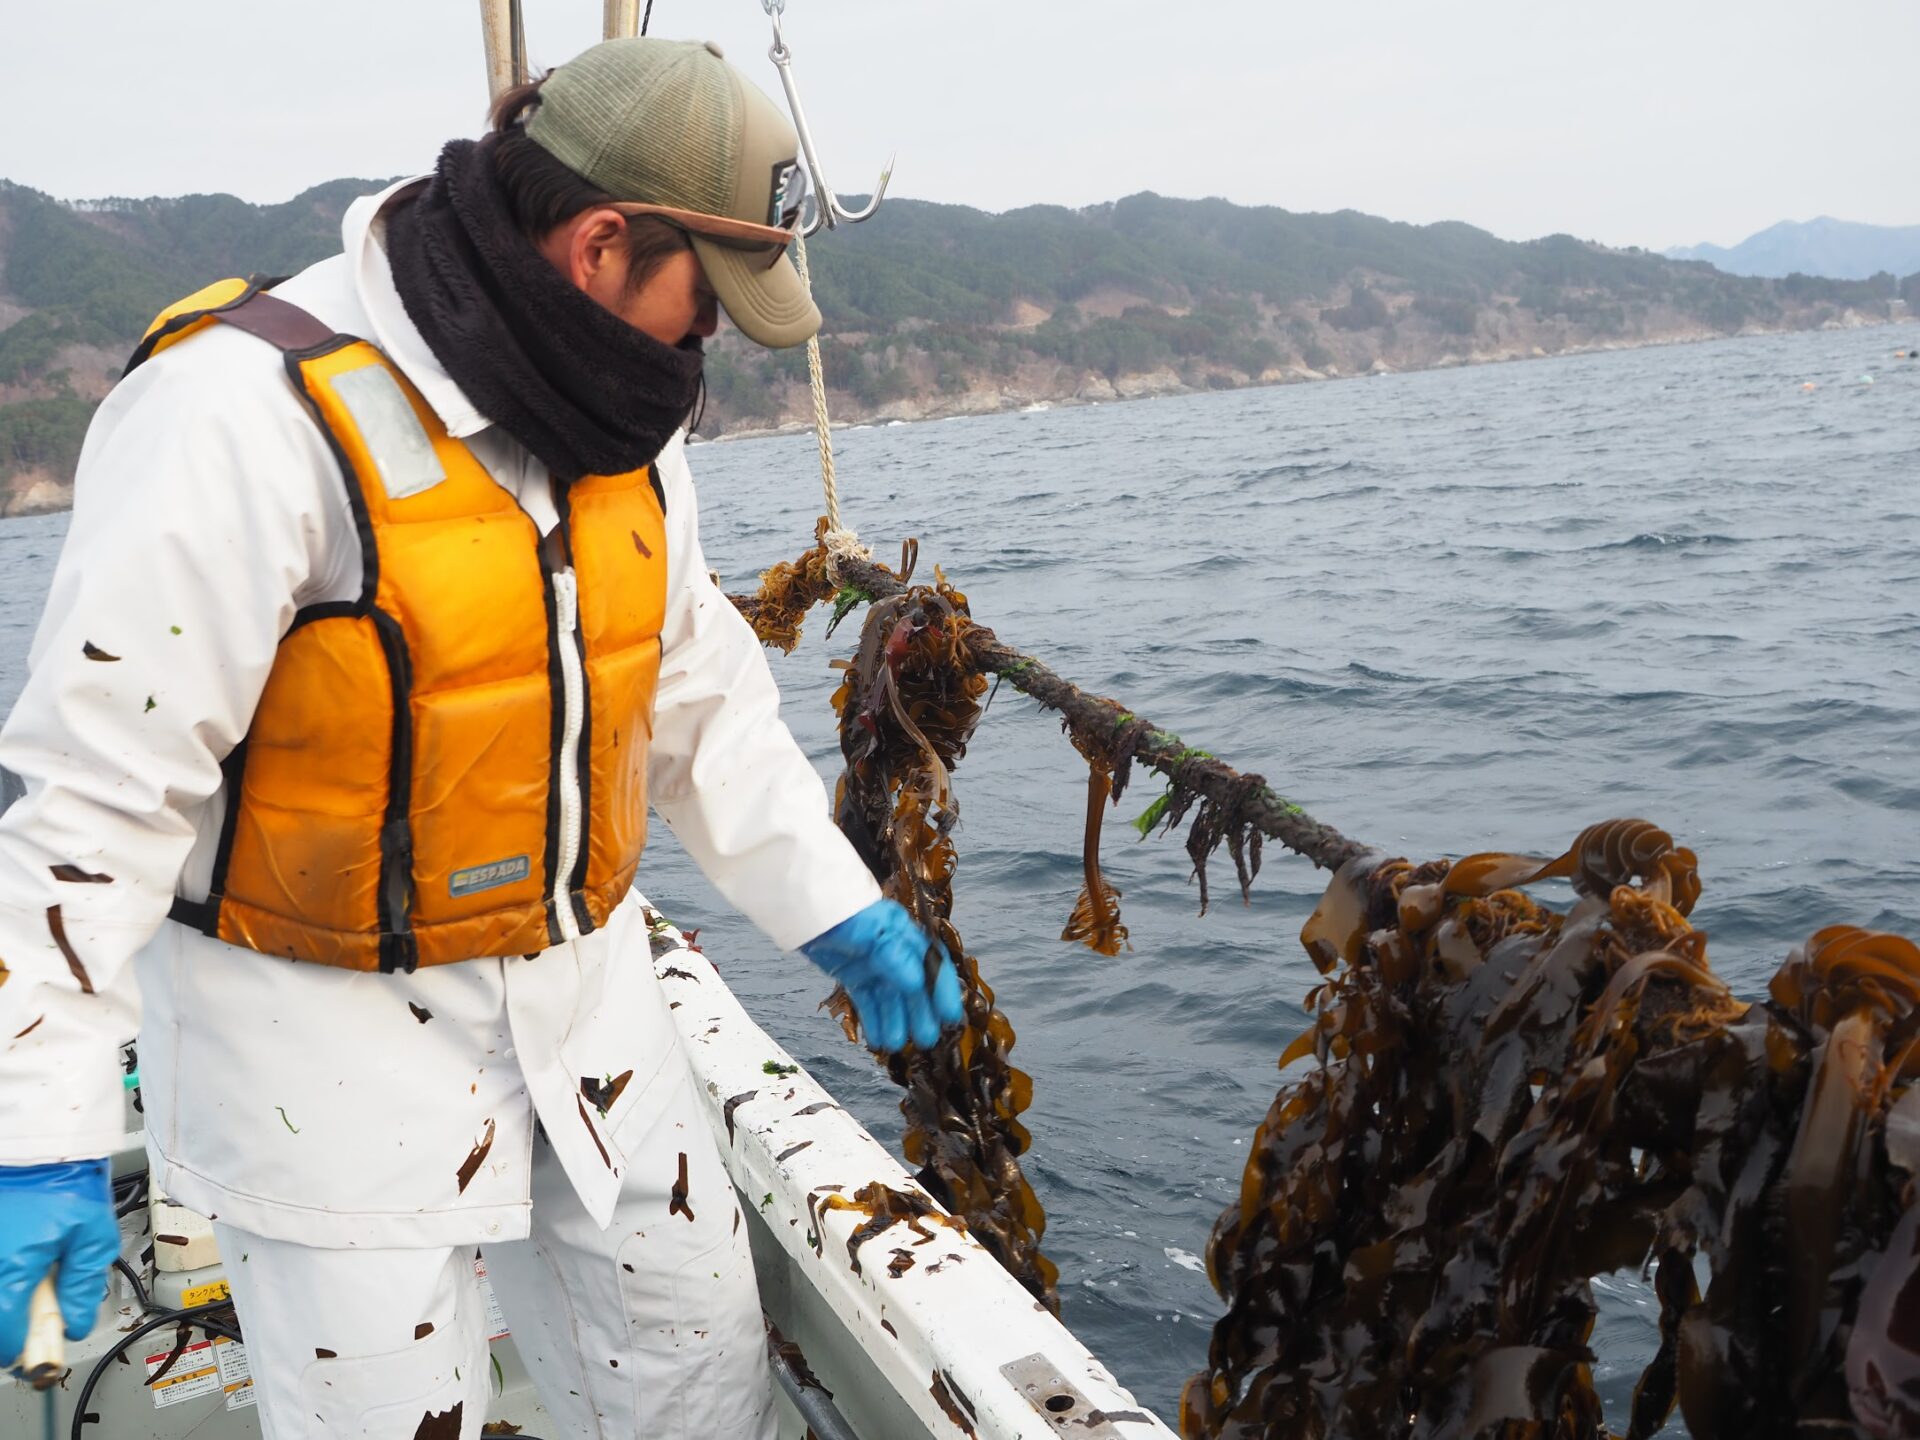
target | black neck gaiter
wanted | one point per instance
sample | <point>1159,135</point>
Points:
<point>583,390</point>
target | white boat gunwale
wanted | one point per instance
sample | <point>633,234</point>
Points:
<point>955,1319</point>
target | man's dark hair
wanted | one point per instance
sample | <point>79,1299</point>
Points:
<point>543,192</point>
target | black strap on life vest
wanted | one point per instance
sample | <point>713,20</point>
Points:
<point>284,326</point>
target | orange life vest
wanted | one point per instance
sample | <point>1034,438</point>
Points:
<point>416,787</point>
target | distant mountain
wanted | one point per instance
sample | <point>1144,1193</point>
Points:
<point>941,309</point>
<point>1833,249</point>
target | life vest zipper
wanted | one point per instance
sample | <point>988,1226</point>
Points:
<point>399,950</point>
<point>566,609</point>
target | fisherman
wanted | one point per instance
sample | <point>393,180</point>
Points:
<point>363,661</point>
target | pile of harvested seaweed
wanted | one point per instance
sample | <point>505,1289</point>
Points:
<point>1510,1100</point>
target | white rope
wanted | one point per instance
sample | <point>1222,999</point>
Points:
<point>841,543</point>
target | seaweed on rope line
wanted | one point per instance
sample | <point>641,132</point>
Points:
<point>1504,1100</point>
<point>1233,809</point>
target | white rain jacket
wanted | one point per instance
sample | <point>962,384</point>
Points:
<point>298,1101</point>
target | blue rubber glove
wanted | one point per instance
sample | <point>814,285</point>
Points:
<point>54,1215</point>
<point>880,955</point>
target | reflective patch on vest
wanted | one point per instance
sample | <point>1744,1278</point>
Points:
<point>400,448</point>
<point>490,876</point>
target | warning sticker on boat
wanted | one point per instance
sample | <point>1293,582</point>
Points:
<point>206,1368</point>
<point>236,1375</point>
<point>204,1294</point>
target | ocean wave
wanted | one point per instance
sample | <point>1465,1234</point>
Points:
<point>1367,672</point>
<point>1662,540</point>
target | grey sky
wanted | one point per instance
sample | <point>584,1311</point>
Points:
<point>1626,121</point>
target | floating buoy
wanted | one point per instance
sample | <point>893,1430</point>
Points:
<point>1809,385</point>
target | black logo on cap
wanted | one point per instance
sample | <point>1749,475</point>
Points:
<point>789,192</point>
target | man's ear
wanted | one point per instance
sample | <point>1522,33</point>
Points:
<point>596,250</point>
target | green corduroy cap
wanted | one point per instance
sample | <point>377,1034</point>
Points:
<point>671,123</point>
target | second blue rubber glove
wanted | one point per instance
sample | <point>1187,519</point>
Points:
<point>880,956</point>
<point>54,1215</point>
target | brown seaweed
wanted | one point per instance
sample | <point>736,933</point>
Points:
<point>734,1102</point>
<point>677,1200</point>
<point>604,1094</point>
<point>884,1208</point>
<point>74,875</point>
<point>946,1395</point>
<point>1095,921</point>
<point>57,927</point>
<point>908,704</point>
<point>787,591</point>
<point>469,1167</point>
<point>1508,1100</point>
<point>789,1351</point>
<point>598,1144</point>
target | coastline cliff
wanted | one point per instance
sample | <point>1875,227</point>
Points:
<point>935,310</point>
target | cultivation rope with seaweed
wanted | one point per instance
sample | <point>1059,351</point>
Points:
<point>908,706</point>
<point>1506,1100</point>
<point>1234,809</point>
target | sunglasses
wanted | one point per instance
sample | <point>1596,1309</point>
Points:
<point>735,234</point>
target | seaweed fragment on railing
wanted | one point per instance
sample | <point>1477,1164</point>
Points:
<point>884,1207</point>
<point>1508,1100</point>
<point>908,703</point>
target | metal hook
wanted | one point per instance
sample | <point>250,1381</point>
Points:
<point>505,35</point>
<point>827,209</point>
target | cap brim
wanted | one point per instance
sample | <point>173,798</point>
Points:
<point>771,306</point>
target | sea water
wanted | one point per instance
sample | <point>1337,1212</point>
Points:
<point>1446,612</point>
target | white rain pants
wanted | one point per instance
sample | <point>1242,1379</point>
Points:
<point>650,1328</point>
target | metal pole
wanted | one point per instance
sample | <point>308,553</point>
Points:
<point>815,1405</point>
<point>517,43</point>
<point>622,19</point>
<point>497,27</point>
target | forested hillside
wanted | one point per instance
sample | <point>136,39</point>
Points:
<point>79,284</point>
<point>934,309</point>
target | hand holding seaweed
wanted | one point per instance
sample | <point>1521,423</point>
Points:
<point>908,704</point>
